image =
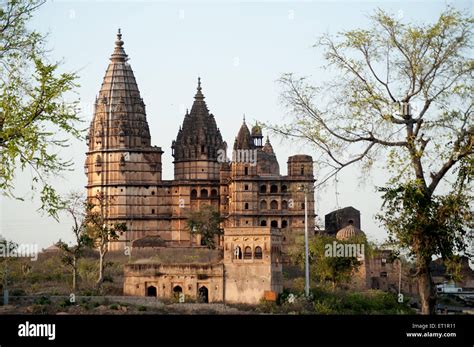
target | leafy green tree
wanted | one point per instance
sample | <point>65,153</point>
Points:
<point>33,106</point>
<point>75,207</point>
<point>206,222</point>
<point>402,97</point>
<point>326,265</point>
<point>99,230</point>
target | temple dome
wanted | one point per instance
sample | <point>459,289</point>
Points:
<point>348,232</point>
<point>257,130</point>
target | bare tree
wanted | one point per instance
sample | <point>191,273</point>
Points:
<point>99,230</point>
<point>402,96</point>
<point>75,206</point>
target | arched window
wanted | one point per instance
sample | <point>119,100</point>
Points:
<point>204,193</point>
<point>284,223</point>
<point>248,253</point>
<point>263,223</point>
<point>284,205</point>
<point>274,205</point>
<point>177,289</point>
<point>258,252</point>
<point>263,189</point>
<point>302,170</point>
<point>274,224</point>
<point>237,253</point>
<point>194,194</point>
<point>273,189</point>
<point>246,171</point>
<point>263,205</point>
<point>246,206</point>
<point>302,205</point>
<point>284,189</point>
<point>214,192</point>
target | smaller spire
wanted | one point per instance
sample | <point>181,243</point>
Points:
<point>268,148</point>
<point>199,95</point>
<point>244,118</point>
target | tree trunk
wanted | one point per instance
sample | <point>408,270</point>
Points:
<point>426,287</point>
<point>101,268</point>
<point>74,274</point>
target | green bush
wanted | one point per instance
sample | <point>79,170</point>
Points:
<point>325,301</point>
<point>65,303</point>
<point>40,309</point>
<point>44,300</point>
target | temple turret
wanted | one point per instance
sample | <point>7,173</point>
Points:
<point>198,145</point>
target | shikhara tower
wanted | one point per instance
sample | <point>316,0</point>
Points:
<point>122,164</point>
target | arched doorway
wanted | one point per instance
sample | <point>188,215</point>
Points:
<point>177,290</point>
<point>151,291</point>
<point>203,295</point>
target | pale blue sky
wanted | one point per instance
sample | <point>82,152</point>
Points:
<point>238,48</point>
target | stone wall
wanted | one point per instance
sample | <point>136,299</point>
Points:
<point>166,281</point>
<point>247,274</point>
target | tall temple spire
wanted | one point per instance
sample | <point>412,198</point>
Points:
<point>119,110</point>
<point>119,54</point>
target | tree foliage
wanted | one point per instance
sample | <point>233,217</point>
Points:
<point>206,222</point>
<point>328,268</point>
<point>403,94</point>
<point>33,106</point>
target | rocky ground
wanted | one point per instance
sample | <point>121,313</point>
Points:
<point>112,305</point>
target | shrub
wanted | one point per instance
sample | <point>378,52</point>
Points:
<point>44,300</point>
<point>65,303</point>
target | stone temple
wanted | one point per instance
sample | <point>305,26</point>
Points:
<point>261,209</point>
